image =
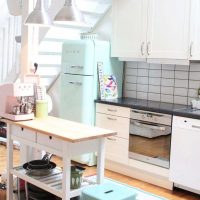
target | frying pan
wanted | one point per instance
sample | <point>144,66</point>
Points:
<point>39,172</point>
<point>40,164</point>
<point>40,167</point>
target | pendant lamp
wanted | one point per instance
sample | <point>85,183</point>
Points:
<point>69,13</point>
<point>39,16</point>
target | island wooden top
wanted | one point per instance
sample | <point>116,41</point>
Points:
<point>63,129</point>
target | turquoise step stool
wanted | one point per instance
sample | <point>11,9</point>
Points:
<point>108,191</point>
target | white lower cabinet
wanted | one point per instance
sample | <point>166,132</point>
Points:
<point>117,149</point>
<point>115,118</point>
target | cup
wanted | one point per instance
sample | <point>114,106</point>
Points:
<point>41,109</point>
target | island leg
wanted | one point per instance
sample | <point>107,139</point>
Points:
<point>100,160</point>
<point>9,164</point>
<point>66,171</point>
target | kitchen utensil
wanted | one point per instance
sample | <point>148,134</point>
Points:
<point>40,172</point>
<point>41,108</point>
<point>15,94</point>
<point>40,164</point>
<point>16,110</point>
<point>76,176</point>
<point>47,157</point>
<point>28,108</point>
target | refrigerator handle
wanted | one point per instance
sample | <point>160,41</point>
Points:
<point>76,66</point>
<point>75,83</point>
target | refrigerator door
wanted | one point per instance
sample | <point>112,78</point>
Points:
<point>77,100</point>
<point>78,57</point>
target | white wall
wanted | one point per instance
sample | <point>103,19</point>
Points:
<point>10,27</point>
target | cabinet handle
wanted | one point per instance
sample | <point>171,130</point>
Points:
<point>195,126</point>
<point>112,139</point>
<point>77,66</point>
<point>113,119</point>
<point>111,110</point>
<point>148,48</point>
<point>75,83</point>
<point>191,49</point>
<point>142,49</point>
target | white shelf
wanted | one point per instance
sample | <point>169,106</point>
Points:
<point>52,183</point>
<point>5,141</point>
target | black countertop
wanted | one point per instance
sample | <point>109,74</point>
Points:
<point>154,106</point>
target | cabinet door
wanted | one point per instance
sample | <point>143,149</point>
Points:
<point>195,30</point>
<point>77,99</point>
<point>168,29</point>
<point>185,151</point>
<point>129,28</point>
<point>117,150</point>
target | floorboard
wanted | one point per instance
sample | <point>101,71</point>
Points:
<point>172,195</point>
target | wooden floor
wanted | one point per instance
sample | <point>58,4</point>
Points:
<point>172,195</point>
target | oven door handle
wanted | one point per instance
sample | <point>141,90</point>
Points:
<point>154,127</point>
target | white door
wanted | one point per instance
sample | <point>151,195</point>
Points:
<point>168,29</point>
<point>129,19</point>
<point>195,30</point>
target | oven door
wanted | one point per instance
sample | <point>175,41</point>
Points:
<point>150,142</point>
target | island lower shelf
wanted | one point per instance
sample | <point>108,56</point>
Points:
<point>51,183</point>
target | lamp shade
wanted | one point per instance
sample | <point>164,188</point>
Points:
<point>69,13</point>
<point>39,15</point>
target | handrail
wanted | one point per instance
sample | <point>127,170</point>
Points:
<point>53,82</point>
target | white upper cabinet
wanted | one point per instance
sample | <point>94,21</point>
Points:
<point>168,29</point>
<point>129,28</point>
<point>151,29</point>
<point>195,30</point>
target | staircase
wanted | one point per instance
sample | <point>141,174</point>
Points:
<point>51,39</point>
<point>50,48</point>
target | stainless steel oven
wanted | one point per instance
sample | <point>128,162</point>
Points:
<point>150,137</point>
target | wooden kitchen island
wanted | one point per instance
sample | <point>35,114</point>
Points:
<point>59,137</point>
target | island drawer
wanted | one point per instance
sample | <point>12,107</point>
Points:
<point>23,133</point>
<point>49,141</point>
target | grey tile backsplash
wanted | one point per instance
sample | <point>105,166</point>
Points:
<point>166,83</point>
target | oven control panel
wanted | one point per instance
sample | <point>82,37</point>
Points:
<point>153,117</point>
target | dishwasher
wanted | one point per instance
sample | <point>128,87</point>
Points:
<point>185,153</point>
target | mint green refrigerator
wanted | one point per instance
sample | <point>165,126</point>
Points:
<point>79,81</point>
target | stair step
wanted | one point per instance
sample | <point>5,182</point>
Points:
<point>48,71</point>
<point>49,65</point>
<point>47,80</point>
<point>62,33</point>
<point>50,53</point>
<point>46,59</point>
<point>48,76</point>
<point>51,46</point>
